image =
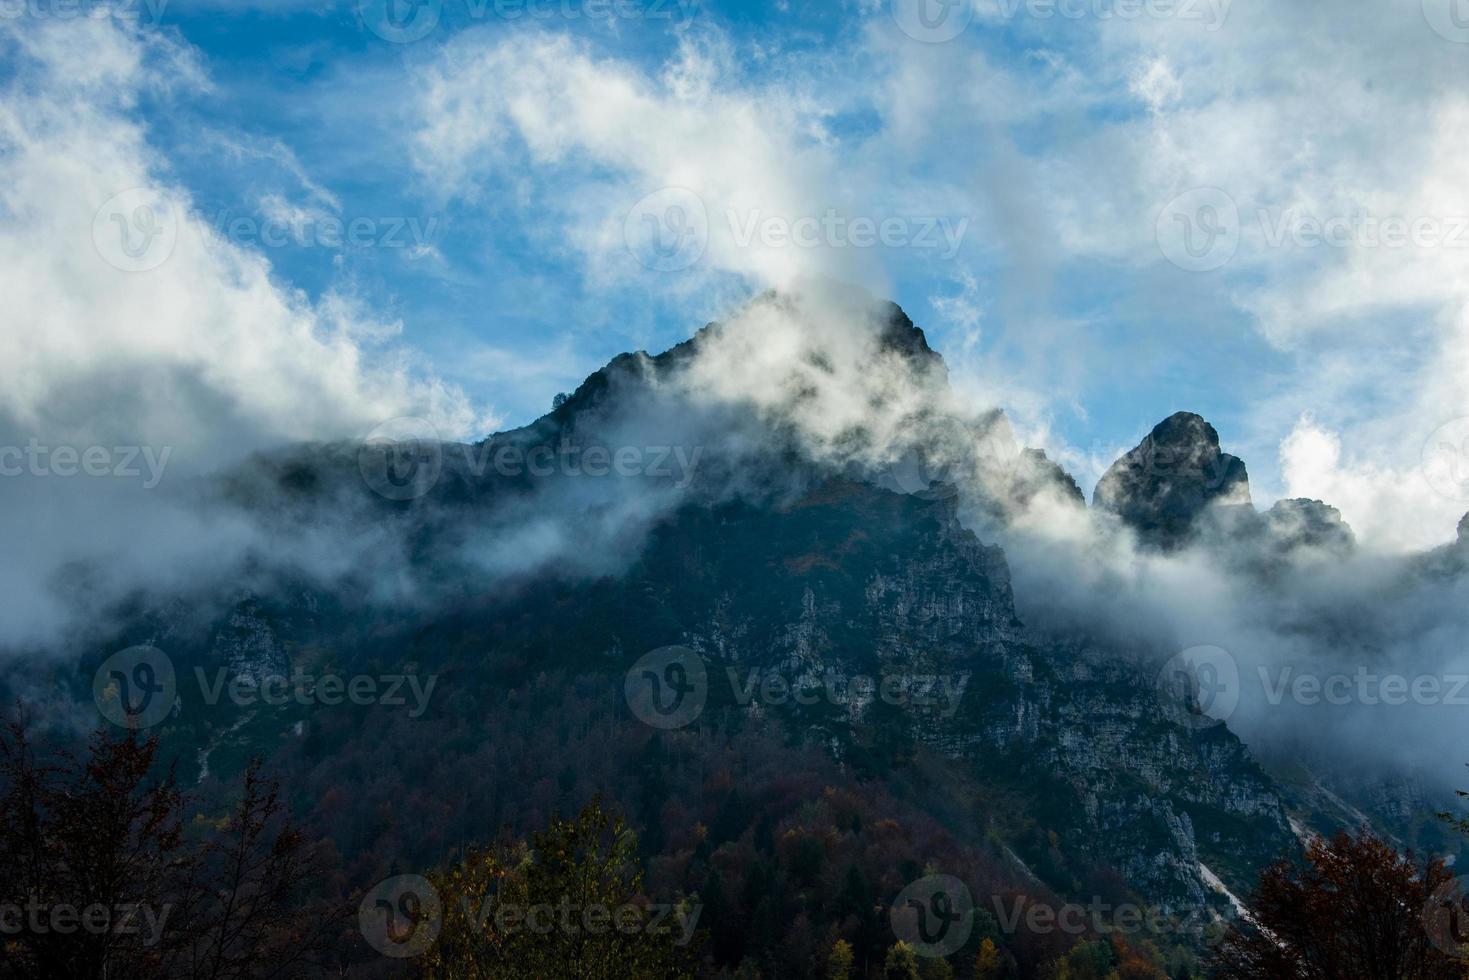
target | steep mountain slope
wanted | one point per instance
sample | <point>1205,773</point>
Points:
<point>779,499</point>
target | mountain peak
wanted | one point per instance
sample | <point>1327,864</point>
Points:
<point>1168,480</point>
<point>1300,522</point>
<point>822,315</point>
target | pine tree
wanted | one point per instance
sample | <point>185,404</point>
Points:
<point>839,961</point>
<point>901,963</point>
<point>936,968</point>
<point>987,962</point>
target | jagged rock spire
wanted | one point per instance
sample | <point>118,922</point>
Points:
<point>1178,471</point>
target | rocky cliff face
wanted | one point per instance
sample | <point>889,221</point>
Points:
<point>868,583</point>
<point>247,644</point>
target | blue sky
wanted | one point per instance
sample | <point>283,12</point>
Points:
<point>316,82</point>
<point>492,164</point>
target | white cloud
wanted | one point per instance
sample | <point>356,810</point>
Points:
<point>192,344</point>
<point>579,140</point>
<point>170,341</point>
<point>1382,502</point>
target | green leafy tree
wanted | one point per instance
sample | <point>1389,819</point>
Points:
<point>936,968</point>
<point>1086,961</point>
<point>987,961</point>
<point>901,963</point>
<point>839,961</point>
<point>567,904</point>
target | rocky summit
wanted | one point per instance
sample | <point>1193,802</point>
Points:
<point>1177,473</point>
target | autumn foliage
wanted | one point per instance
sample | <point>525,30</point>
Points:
<point>1355,908</point>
